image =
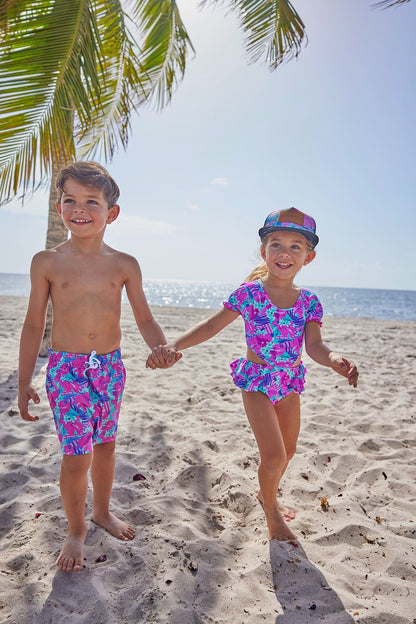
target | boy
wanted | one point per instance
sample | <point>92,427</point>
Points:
<point>85,376</point>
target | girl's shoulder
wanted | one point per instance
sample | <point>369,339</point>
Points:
<point>310,303</point>
<point>250,289</point>
<point>244,295</point>
<point>308,294</point>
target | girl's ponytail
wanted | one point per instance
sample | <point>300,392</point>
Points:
<point>257,273</point>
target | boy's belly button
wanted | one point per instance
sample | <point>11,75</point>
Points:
<point>91,336</point>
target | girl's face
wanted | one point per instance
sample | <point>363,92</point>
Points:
<point>285,253</point>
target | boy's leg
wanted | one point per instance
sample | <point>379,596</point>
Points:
<point>265,425</point>
<point>74,486</point>
<point>102,475</point>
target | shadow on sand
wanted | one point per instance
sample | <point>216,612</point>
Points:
<point>302,590</point>
<point>74,595</point>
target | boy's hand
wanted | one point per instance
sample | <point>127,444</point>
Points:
<point>345,367</point>
<point>163,356</point>
<point>27,393</point>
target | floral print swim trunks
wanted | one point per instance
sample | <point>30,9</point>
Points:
<point>85,393</point>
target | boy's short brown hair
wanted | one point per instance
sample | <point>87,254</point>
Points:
<point>89,173</point>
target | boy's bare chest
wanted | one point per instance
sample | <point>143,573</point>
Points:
<point>87,279</point>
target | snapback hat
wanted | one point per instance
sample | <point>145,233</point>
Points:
<point>290,220</point>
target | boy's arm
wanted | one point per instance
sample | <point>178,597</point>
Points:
<point>149,329</point>
<point>162,356</point>
<point>32,334</point>
<point>322,354</point>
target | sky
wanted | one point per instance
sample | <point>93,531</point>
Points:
<point>331,133</point>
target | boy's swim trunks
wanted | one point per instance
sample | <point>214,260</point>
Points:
<point>84,393</point>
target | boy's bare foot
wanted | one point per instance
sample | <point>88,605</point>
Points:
<point>277,527</point>
<point>116,527</point>
<point>287,513</point>
<point>71,556</point>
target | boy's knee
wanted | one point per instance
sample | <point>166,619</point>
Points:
<point>105,449</point>
<point>76,463</point>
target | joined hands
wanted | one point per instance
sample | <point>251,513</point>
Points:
<point>162,356</point>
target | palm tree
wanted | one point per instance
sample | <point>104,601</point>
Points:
<point>72,73</point>
<point>71,77</point>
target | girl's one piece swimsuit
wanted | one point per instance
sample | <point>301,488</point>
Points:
<point>276,336</point>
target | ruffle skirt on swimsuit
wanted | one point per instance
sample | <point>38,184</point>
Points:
<point>276,383</point>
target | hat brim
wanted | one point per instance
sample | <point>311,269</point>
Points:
<point>310,236</point>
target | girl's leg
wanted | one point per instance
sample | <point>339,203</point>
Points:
<point>288,414</point>
<point>273,460</point>
<point>74,486</point>
<point>102,475</point>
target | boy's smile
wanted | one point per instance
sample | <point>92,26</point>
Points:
<point>84,209</point>
<point>81,220</point>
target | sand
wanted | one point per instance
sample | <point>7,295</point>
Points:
<point>201,553</point>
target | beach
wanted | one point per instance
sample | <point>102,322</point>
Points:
<point>186,478</point>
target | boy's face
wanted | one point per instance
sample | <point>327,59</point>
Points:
<point>84,209</point>
<point>285,253</point>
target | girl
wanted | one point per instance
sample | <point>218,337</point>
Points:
<point>279,316</point>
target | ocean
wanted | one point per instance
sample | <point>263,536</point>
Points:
<point>352,302</point>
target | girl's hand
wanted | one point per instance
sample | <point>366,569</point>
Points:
<point>163,356</point>
<point>345,367</point>
<point>27,393</point>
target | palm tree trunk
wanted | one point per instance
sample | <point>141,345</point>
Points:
<point>56,233</point>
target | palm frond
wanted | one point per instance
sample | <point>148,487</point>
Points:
<point>52,75</point>
<point>274,30</point>
<point>387,4</point>
<point>164,47</point>
<point>9,10</point>
<point>121,74</point>
<point>29,73</point>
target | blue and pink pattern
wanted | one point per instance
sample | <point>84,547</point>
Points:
<point>276,336</point>
<point>85,400</point>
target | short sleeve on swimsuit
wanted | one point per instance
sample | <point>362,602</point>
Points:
<point>237,300</point>
<point>315,311</point>
<point>231,303</point>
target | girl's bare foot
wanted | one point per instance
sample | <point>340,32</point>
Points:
<point>71,556</point>
<point>287,513</point>
<point>116,527</point>
<point>278,529</point>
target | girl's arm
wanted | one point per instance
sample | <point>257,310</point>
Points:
<point>322,354</point>
<point>163,355</point>
<point>32,334</point>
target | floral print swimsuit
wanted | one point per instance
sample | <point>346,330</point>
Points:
<point>276,336</point>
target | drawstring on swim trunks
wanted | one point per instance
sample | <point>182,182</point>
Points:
<point>93,361</point>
